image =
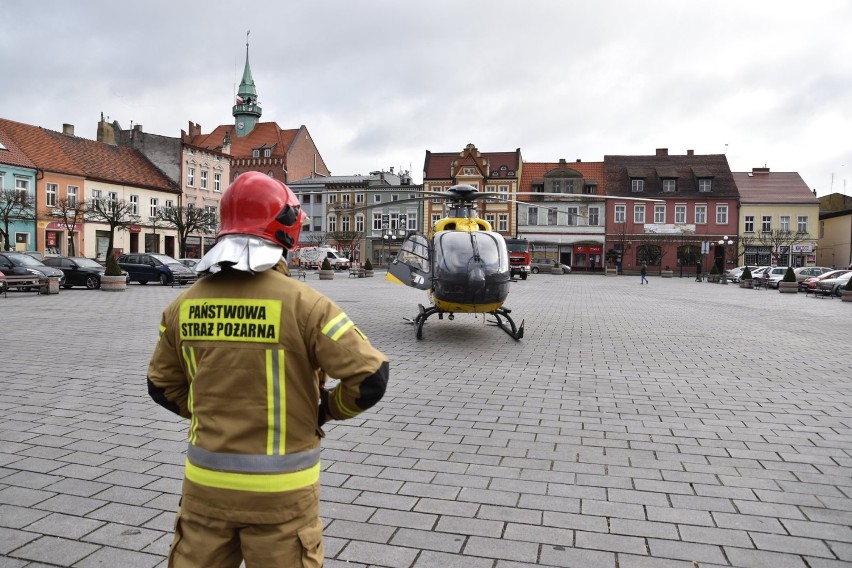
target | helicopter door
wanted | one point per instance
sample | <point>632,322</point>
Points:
<point>412,265</point>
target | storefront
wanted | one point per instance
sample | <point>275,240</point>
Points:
<point>587,257</point>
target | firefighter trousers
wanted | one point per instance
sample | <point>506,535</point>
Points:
<point>204,542</point>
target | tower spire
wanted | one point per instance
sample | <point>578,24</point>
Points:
<point>246,111</point>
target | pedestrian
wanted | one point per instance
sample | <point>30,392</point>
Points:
<point>698,275</point>
<point>244,355</point>
<point>644,273</point>
<point>593,264</point>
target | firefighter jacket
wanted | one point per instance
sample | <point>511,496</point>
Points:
<point>244,357</point>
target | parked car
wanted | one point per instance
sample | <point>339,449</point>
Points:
<point>833,286</point>
<point>774,275</point>
<point>758,272</point>
<point>20,264</point>
<point>544,265</point>
<point>735,274</point>
<point>80,271</point>
<point>35,254</point>
<point>810,285</point>
<point>149,267</point>
<point>189,262</point>
<point>805,272</point>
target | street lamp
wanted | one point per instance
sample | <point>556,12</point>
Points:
<point>391,234</point>
<point>725,242</point>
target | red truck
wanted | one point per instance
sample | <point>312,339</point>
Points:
<point>519,257</point>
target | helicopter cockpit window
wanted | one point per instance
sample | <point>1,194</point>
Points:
<point>415,253</point>
<point>456,250</point>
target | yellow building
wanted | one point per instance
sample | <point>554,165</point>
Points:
<point>779,219</point>
<point>835,231</point>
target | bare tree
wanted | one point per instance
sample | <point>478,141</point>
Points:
<point>14,206</point>
<point>187,221</point>
<point>312,239</point>
<point>345,241</point>
<point>118,214</point>
<point>70,213</point>
<point>780,241</point>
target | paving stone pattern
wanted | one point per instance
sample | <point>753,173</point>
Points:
<point>678,424</point>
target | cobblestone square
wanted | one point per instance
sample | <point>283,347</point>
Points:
<point>678,424</point>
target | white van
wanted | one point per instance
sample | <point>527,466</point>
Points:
<point>312,257</point>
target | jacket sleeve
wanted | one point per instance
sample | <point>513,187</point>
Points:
<point>343,352</point>
<point>168,385</point>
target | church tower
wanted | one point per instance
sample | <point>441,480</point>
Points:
<point>246,112</point>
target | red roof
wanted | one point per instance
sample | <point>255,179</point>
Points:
<point>773,187</point>
<point>536,170</point>
<point>439,165</point>
<point>11,155</point>
<point>64,153</point>
<point>263,135</point>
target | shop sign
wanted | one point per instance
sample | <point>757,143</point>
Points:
<point>134,229</point>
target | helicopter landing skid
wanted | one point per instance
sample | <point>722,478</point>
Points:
<point>516,333</point>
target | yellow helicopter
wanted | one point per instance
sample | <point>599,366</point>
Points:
<point>464,265</point>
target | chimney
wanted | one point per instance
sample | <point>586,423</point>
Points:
<point>579,160</point>
<point>662,151</point>
<point>137,128</point>
<point>562,162</point>
<point>68,129</point>
<point>106,133</point>
<point>226,143</point>
<point>763,170</point>
<point>814,192</point>
<point>690,152</point>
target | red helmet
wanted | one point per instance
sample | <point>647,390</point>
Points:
<point>256,204</point>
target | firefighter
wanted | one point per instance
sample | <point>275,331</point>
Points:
<point>244,355</point>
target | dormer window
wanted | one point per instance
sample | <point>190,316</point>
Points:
<point>669,185</point>
<point>705,184</point>
<point>637,185</point>
<point>267,152</point>
<point>255,153</point>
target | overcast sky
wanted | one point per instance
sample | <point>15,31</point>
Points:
<point>379,82</point>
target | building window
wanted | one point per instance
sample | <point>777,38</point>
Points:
<point>190,177</point>
<point>435,218</point>
<point>359,198</point>
<point>503,190</point>
<point>377,198</point>
<point>590,189</point>
<point>551,216</point>
<point>749,224</point>
<point>620,213</point>
<point>345,198</point>
<point>639,213</point>
<point>721,214</point>
<point>532,215</point>
<point>255,153</point>
<point>802,224</point>
<point>594,216</point>
<point>134,205</point>
<point>555,186</point>
<point>784,223</point>
<point>669,185</point>
<point>72,196</point>
<point>50,194</point>
<point>22,185</point>
<point>154,206</point>
<point>503,222</point>
<point>659,213</point>
<point>316,223</point>
<point>344,223</point>
<point>766,224</point>
<point>377,221</point>
<point>637,185</point>
<point>332,223</point>
<point>210,210</point>
<point>217,182</point>
<point>680,213</point>
<point>700,214</point>
<point>170,204</point>
<point>306,198</point>
<point>394,197</point>
<point>203,179</point>
<point>359,223</point>
<point>267,152</point>
<point>573,216</point>
<point>332,198</point>
<point>112,199</point>
<point>569,186</point>
<point>705,184</point>
<point>96,194</point>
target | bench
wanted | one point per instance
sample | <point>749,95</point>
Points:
<point>297,272</point>
<point>25,283</point>
<point>357,272</point>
